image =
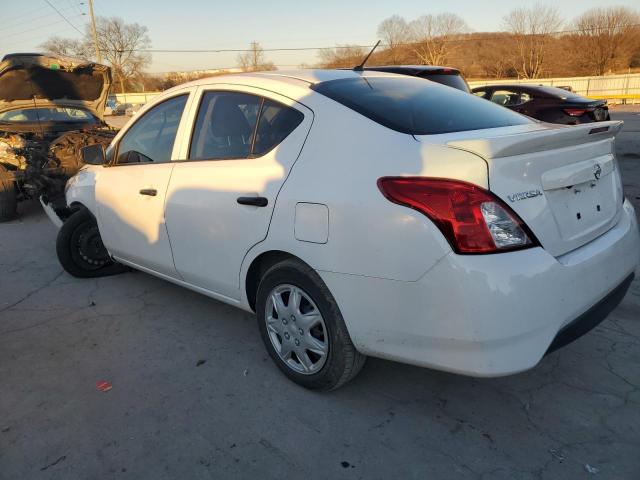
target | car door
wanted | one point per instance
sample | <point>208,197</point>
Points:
<point>130,191</point>
<point>221,196</point>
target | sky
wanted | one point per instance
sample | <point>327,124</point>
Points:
<point>212,24</point>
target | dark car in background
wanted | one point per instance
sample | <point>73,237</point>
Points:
<point>549,104</point>
<point>451,77</point>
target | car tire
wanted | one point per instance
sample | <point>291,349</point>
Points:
<point>8,196</point>
<point>80,249</point>
<point>314,323</point>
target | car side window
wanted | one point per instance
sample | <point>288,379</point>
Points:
<point>480,93</point>
<point>225,126</point>
<point>233,125</point>
<point>151,138</point>
<point>276,122</point>
<point>509,98</point>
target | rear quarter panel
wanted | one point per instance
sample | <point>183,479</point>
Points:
<point>340,164</point>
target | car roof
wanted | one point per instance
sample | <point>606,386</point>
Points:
<point>504,85</point>
<point>546,90</point>
<point>307,76</point>
<point>414,69</point>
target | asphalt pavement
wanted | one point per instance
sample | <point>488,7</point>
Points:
<point>195,396</point>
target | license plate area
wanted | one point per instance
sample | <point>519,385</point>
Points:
<point>580,209</point>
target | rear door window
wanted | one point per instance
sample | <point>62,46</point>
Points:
<point>234,125</point>
<point>413,106</point>
<point>277,121</point>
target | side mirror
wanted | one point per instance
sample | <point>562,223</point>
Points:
<point>93,154</point>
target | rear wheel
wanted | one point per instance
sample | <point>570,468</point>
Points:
<point>303,329</point>
<point>80,249</point>
<point>8,196</point>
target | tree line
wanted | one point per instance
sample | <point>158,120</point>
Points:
<point>534,42</point>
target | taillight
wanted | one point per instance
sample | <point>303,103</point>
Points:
<point>472,219</point>
<point>576,112</point>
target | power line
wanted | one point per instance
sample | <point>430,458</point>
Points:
<point>8,28</point>
<point>340,47</point>
<point>39,27</point>
<point>24,14</point>
<point>65,18</point>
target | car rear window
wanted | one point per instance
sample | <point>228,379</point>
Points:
<point>558,92</point>
<point>449,79</point>
<point>413,106</point>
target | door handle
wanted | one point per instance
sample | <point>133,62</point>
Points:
<point>152,192</point>
<point>255,201</point>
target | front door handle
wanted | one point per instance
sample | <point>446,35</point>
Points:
<point>152,192</point>
<point>255,201</point>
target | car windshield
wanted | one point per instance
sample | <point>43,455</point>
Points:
<point>411,105</point>
<point>49,114</point>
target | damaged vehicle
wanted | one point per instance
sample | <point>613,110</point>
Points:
<point>50,107</point>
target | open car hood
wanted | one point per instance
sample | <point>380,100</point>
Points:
<point>36,80</point>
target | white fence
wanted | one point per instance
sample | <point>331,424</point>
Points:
<point>616,88</point>
<point>133,98</point>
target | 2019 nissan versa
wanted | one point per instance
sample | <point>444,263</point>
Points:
<point>363,213</point>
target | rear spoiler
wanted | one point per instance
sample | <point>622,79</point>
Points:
<point>555,136</point>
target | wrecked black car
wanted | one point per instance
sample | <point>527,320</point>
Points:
<point>50,107</point>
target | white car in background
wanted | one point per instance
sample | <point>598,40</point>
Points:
<point>364,213</point>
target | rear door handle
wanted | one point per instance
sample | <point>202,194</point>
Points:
<point>152,192</point>
<point>255,201</point>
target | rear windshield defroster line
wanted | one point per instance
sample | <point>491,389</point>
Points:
<point>417,107</point>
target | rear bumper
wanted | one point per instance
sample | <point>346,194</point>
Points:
<point>489,315</point>
<point>592,317</point>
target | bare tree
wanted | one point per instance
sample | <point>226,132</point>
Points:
<point>343,56</point>
<point>607,37</point>
<point>532,29</point>
<point>434,35</point>
<point>254,59</point>
<point>122,45</point>
<point>493,55</point>
<point>66,46</point>
<point>394,32</point>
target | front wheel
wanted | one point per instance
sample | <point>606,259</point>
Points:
<point>80,249</point>
<point>303,329</point>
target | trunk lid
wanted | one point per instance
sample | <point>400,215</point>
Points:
<point>35,80</point>
<point>563,181</point>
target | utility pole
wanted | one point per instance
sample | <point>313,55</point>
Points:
<point>95,34</point>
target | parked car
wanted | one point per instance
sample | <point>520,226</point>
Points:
<point>448,76</point>
<point>121,108</point>
<point>549,104</point>
<point>50,107</point>
<point>109,107</point>
<point>363,213</point>
<point>133,109</point>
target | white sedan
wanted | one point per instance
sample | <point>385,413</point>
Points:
<point>363,213</point>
